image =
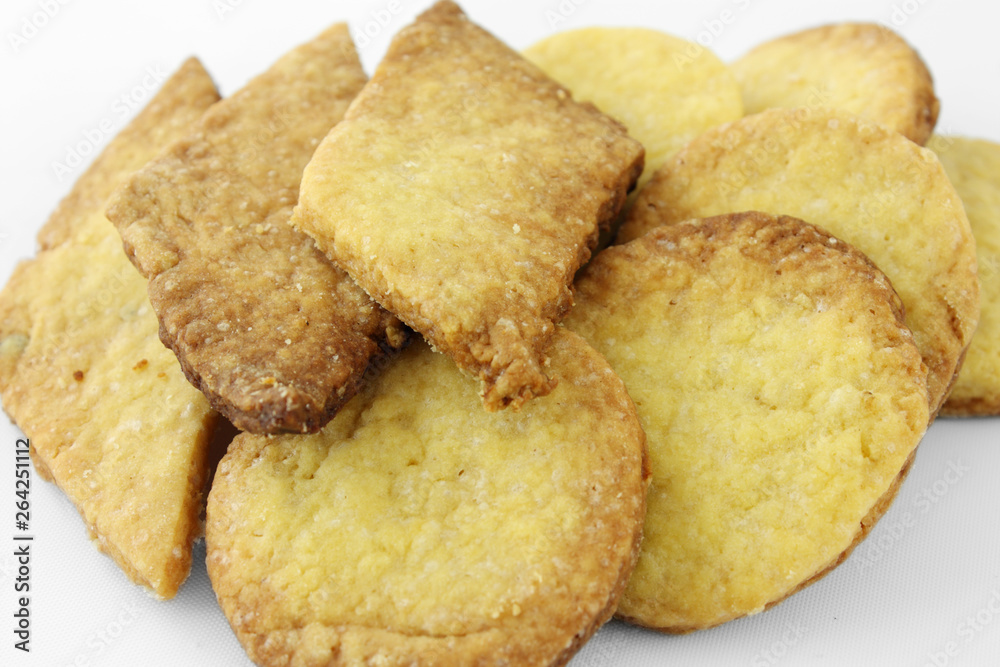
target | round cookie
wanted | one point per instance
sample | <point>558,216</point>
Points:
<point>863,68</point>
<point>859,181</point>
<point>417,527</point>
<point>782,399</point>
<point>973,165</point>
<point>664,89</point>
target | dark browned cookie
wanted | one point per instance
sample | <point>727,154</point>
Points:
<point>274,335</point>
<point>463,190</point>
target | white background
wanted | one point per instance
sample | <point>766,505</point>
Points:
<point>925,583</point>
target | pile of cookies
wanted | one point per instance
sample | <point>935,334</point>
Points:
<point>470,433</point>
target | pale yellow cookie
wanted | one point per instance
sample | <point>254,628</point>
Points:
<point>782,398</point>
<point>417,528</point>
<point>859,181</point>
<point>462,191</point>
<point>110,417</point>
<point>864,68</point>
<point>664,89</point>
<point>973,165</point>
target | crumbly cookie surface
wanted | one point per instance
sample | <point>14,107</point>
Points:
<point>274,335</point>
<point>866,185</point>
<point>973,165</point>
<point>665,90</point>
<point>109,415</point>
<point>782,397</point>
<point>463,190</point>
<point>419,528</point>
<point>863,68</point>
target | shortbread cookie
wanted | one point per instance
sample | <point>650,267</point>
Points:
<point>417,528</point>
<point>863,68</point>
<point>274,335</point>
<point>110,417</point>
<point>782,398</point>
<point>463,190</point>
<point>973,165</point>
<point>866,185</point>
<point>664,89</point>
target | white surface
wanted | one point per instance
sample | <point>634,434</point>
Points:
<point>926,582</point>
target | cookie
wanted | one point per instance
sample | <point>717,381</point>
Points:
<point>109,415</point>
<point>419,528</point>
<point>973,165</point>
<point>462,191</point>
<point>274,335</point>
<point>782,397</point>
<point>865,184</point>
<point>863,68</point>
<point>664,89</point>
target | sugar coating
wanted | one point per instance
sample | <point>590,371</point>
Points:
<point>864,68</point>
<point>862,183</point>
<point>781,396</point>
<point>463,190</point>
<point>418,527</point>
<point>110,417</point>
<point>274,335</point>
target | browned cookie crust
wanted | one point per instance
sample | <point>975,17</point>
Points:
<point>867,185</point>
<point>782,397</point>
<point>463,190</point>
<point>109,415</point>
<point>864,68</point>
<point>274,335</point>
<point>417,528</point>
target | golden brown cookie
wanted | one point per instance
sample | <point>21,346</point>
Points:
<point>274,335</point>
<point>863,68</point>
<point>110,417</point>
<point>973,165</point>
<point>665,90</point>
<point>462,191</point>
<point>867,185</point>
<point>782,398</point>
<point>417,528</point>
